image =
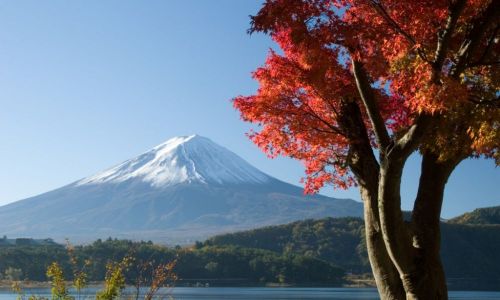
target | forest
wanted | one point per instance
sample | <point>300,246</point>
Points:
<point>470,245</point>
<point>213,265</point>
<point>311,252</point>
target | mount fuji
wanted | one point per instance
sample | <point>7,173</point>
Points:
<point>183,190</point>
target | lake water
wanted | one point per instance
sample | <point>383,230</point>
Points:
<point>277,294</point>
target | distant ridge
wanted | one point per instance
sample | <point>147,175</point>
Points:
<point>185,189</point>
<point>486,215</point>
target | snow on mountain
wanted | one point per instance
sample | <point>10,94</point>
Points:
<point>183,159</point>
<point>185,189</point>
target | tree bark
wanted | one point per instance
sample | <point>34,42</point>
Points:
<point>394,230</point>
<point>386,276</point>
<point>404,256</point>
<point>366,168</point>
<point>414,248</point>
<point>431,281</point>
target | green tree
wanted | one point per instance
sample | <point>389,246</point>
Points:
<point>79,273</point>
<point>58,290</point>
<point>114,282</point>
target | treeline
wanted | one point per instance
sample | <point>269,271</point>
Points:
<point>216,265</point>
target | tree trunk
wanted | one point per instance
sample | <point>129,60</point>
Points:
<point>386,276</point>
<point>394,230</point>
<point>414,248</point>
<point>366,168</point>
<point>430,278</point>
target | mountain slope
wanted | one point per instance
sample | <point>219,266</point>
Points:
<point>184,189</point>
<point>486,215</point>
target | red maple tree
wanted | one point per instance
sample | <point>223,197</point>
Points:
<point>359,85</point>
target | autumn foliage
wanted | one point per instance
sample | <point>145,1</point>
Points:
<point>431,59</point>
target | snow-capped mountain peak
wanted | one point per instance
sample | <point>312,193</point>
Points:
<point>183,190</point>
<point>183,159</point>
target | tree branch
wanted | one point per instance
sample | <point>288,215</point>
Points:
<point>473,38</point>
<point>363,162</point>
<point>313,114</point>
<point>444,37</point>
<point>367,96</point>
<point>407,143</point>
<point>491,41</point>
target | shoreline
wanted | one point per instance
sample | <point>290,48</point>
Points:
<point>352,283</point>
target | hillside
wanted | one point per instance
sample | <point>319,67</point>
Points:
<point>470,253</point>
<point>337,240</point>
<point>487,215</point>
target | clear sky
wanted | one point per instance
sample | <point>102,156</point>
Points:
<point>85,85</point>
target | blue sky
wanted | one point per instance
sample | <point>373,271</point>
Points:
<point>85,85</point>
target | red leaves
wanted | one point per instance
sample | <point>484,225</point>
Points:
<point>297,103</point>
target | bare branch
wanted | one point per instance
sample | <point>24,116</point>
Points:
<point>367,96</point>
<point>313,114</point>
<point>362,161</point>
<point>473,38</point>
<point>324,131</point>
<point>408,143</point>
<point>489,46</point>
<point>444,37</point>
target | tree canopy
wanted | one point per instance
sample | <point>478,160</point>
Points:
<point>425,72</point>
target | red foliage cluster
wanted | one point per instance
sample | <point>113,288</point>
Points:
<point>400,45</point>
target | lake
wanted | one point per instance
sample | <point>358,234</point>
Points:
<point>182,293</point>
